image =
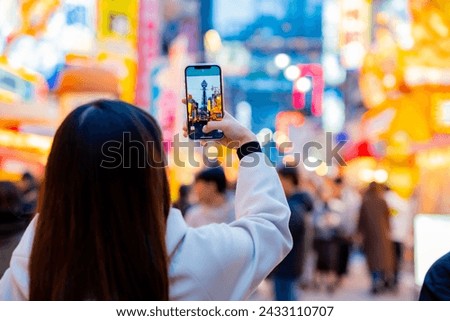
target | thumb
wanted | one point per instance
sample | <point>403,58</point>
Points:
<point>211,125</point>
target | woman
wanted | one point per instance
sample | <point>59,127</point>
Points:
<point>105,229</point>
<point>326,222</point>
<point>287,273</point>
<point>375,230</point>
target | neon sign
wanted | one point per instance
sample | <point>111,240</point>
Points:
<point>314,71</point>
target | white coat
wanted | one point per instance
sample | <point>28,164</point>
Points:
<point>212,262</point>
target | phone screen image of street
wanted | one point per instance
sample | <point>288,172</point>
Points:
<point>204,103</point>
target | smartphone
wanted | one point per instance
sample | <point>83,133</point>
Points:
<point>204,99</point>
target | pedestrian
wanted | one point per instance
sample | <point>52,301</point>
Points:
<point>309,256</point>
<point>10,202</point>
<point>214,204</point>
<point>30,192</point>
<point>401,221</point>
<point>326,223</point>
<point>183,203</point>
<point>106,231</point>
<point>326,248</point>
<point>346,203</point>
<point>287,273</point>
<point>374,228</point>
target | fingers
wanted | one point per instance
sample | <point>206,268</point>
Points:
<point>216,124</point>
<point>183,101</point>
<point>206,129</point>
<point>212,125</point>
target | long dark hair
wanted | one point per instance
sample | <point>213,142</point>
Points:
<point>101,228</point>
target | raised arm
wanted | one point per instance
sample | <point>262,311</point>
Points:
<point>233,259</point>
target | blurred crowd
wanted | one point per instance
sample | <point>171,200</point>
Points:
<point>329,221</point>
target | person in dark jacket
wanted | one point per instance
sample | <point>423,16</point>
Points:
<point>10,205</point>
<point>183,203</point>
<point>436,286</point>
<point>285,275</point>
<point>375,228</point>
<point>12,222</point>
<point>29,188</point>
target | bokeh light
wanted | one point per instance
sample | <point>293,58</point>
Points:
<point>292,73</point>
<point>282,60</point>
<point>303,84</point>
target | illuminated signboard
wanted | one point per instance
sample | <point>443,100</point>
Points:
<point>118,20</point>
<point>354,35</point>
<point>298,97</point>
<point>148,48</point>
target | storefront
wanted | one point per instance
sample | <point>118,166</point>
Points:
<point>44,74</point>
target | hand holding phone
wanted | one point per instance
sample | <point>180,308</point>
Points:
<point>204,100</point>
<point>235,134</point>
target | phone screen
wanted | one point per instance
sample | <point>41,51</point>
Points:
<point>204,99</point>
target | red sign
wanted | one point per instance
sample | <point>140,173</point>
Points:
<point>314,71</point>
<point>148,48</point>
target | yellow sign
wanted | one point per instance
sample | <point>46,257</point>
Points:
<point>354,35</point>
<point>125,69</point>
<point>118,38</point>
<point>118,20</point>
